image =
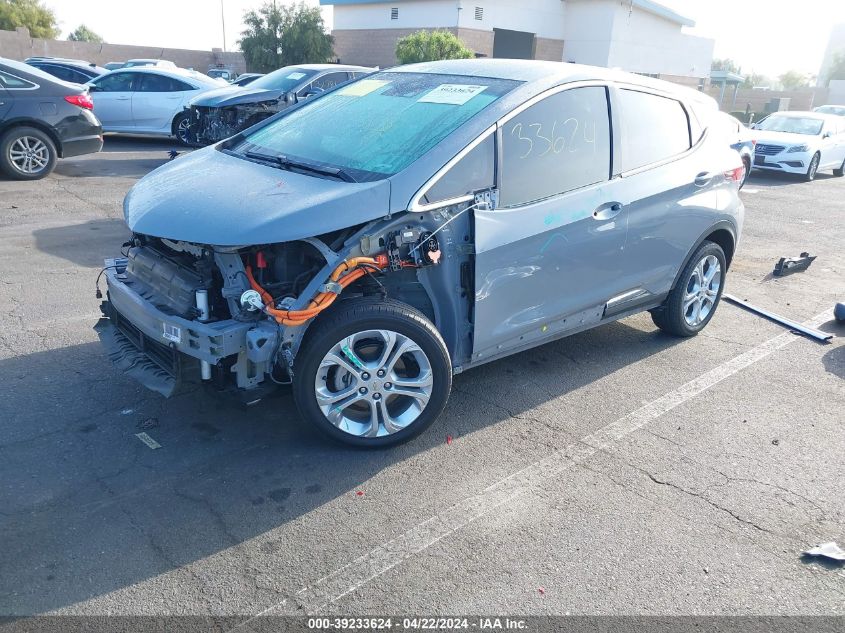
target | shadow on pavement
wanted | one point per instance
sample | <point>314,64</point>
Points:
<point>86,508</point>
<point>83,244</point>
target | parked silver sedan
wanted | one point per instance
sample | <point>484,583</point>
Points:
<point>148,100</point>
<point>367,244</point>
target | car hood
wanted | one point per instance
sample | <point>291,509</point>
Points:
<point>783,138</point>
<point>234,95</point>
<point>210,197</point>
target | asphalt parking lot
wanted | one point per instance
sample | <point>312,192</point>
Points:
<point>618,471</point>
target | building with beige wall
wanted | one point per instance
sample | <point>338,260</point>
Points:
<point>636,35</point>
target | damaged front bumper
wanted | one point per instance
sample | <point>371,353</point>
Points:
<point>212,124</point>
<point>164,351</point>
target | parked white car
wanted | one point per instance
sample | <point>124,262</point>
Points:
<point>147,100</point>
<point>800,143</point>
<point>838,110</point>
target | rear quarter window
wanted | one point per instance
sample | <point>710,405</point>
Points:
<point>654,128</point>
<point>14,83</point>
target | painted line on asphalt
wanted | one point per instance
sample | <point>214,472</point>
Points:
<point>343,581</point>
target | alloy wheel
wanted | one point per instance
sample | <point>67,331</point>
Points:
<point>183,129</point>
<point>702,290</point>
<point>29,155</point>
<point>373,383</point>
<point>814,166</point>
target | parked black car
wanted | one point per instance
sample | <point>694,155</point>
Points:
<point>42,118</point>
<point>76,71</point>
<point>221,113</point>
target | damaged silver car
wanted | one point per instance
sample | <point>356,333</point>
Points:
<point>221,113</point>
<point>368,245</point>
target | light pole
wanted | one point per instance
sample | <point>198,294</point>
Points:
<point>223,20</point>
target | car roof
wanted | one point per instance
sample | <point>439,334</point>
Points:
<point>76,63</point>
<point>545,74</point>
<point>328,67</point>
<point>31,73</point>
<point>805,114</point>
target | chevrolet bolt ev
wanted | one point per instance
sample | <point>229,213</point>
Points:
<point>368,244</point>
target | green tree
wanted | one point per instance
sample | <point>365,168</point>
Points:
<point>725,64</point>
<point>283,36</point>
<point>793,79</point>
<point>429,46</point>
<point>32,14</point>
<point>837,66</point>
<point>84,34</point>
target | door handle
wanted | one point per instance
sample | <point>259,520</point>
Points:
<point>607,211</point>
<point>703,178</point>
<point>122,98</point>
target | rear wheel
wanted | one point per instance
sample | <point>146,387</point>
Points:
<point>27,153</point>
<point>692,302</point>
<point>374,373</point>
<point>810,176</point>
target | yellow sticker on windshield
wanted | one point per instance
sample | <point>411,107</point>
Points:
<point>363,87</point>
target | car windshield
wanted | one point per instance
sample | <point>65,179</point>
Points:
<point>838,110</point>
<point>792,124</point>
<point>284,79</point>
<point>375,127</point>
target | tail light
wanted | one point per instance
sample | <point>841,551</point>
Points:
<point>83,101</point>
<point>736,175</point>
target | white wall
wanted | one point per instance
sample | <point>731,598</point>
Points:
<point>588,29</point>
<point>646,43</point>
<point>412,15</point>
<point>836,92</point>
<point>545,18</point>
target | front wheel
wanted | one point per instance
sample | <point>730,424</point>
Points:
<point>692,302</point>
<point>374,373</point>
<point>27,153</point>
<point>810,176</point>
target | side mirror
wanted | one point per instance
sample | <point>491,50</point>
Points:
<point>290,98</point>
<point>827,134</point>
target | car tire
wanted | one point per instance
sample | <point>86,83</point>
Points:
<point>182,128</point>
<point>27,153</point>
<point>691,303</point>
<point>354,383</point>
<point>813,168</point>
<point>747,162</point>
<point>841,171</point>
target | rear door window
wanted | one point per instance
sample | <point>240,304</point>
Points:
<point>654,128</point>
<point>557,145</point>
<point>151,82</point>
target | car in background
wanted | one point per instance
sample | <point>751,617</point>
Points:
<point>148,100</point>
<point>221,73</point>
<point>222,113</point>
<point>246,79</point>
<point>800,143</point>
<point>739,138</point>
<point>838,110</point>
<point>42,118</point>
<point>113,65</point>
<point>76,71</point>
<point>158,63</point>
<point>487,196</point>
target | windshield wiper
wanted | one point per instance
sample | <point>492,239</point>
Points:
<point>283,162</point>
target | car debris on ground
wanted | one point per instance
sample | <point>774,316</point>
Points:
<point>818,335</point>
<point>789,265</point>
<point>827,550</point>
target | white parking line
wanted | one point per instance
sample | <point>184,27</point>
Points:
<point>334,586</point>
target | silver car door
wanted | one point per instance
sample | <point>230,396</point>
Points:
<point>548,255</point>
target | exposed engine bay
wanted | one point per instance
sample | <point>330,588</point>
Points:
<point>210,125</point>
<point>234,317</point>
